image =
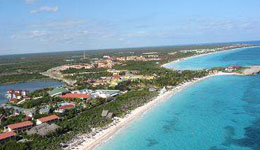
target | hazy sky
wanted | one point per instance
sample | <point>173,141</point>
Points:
<point>57,25</point>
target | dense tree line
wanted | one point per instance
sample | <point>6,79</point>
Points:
<point>74,70</point>
<point>20,78</point>
<point>38,102</point>
<point>39,93</point>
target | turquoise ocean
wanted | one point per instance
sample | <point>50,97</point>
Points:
<point>239,56</point>
<point>219,113</point>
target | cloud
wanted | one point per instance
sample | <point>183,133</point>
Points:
<point>35,34</point>
<point>66,23</point>
<point>45,9</point>
<point>29,1</point>
<point>51,35</point>
<point>57,31</point>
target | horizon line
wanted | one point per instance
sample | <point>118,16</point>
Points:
<point>123,48</point>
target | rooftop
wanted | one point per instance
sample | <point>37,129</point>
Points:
<point>70,95</point>
<point>48,118</point>
<point>58,91</point>
<point>20,125</point>
<point>67,106</point>
<point>7,135</point>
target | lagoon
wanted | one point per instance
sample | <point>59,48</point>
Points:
<point>30,86</point>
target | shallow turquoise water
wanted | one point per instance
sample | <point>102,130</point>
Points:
<point>240,56</point>
<point>211,115</point>
<point>219,113</point>
<point>30,86</point>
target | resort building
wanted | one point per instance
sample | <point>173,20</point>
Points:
<point>47,119</point>
<point>110,115</point>
<point>136,77</point>
<point>17,94</point>
<point>29,112</point>
<point>115,72</point>
<point>107,93</point>
<point>22,126</point>
<point>232,68</point>
<point>85,91</point>
<point>152,89</point>
<point>13,100</point>
<point>63,108</point>
<point>4,137</point>
<point>44,110</point>
<point>57,91</point>
<point>106,113</point>
<point>75,95</point>
<point>162,91</point>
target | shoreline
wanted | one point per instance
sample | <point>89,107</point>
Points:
<point>52,74</point>
<point>89,142</point>
<point>31,80</point>
<point>200,55</point>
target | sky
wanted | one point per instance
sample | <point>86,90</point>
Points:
<point>32,26</point>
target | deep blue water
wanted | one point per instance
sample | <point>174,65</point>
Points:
<point>31,86</point>
<point>219,113</point>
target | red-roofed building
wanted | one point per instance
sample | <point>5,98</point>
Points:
<point>236,67</point>
<point>75,95</point>
<point>61,109</point>
<point>18,94</point>
<point>10,92</point>
<point>28,118</point>
<point>48,119</point>
<point>22,126</point>
<point>232,68</point>
<point>7,136</point>
<point>13,100</point>
<point>117,77</point>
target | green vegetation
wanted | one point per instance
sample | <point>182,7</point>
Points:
<point>90,118</point>
<point>38,102</point>
<point>21,68</point>
<point>13,119</point>
<point>73,123</point>
<point>90,76</point>
<point>164,76</point>
<point>82,119</point>
<point>40,93</point>
<point>13,145</point>
<point>20,78</point>
<point>73,70</point>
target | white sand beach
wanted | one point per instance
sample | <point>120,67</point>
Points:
<point>90,141</point>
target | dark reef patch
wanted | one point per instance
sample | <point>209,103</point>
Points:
<point>238,113</point>
<point>233,120</point>
<point>252,137</point>
<point>151,142</point>
<point>215,148</point>
<point>170,125</point>
<point>229,134</point>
